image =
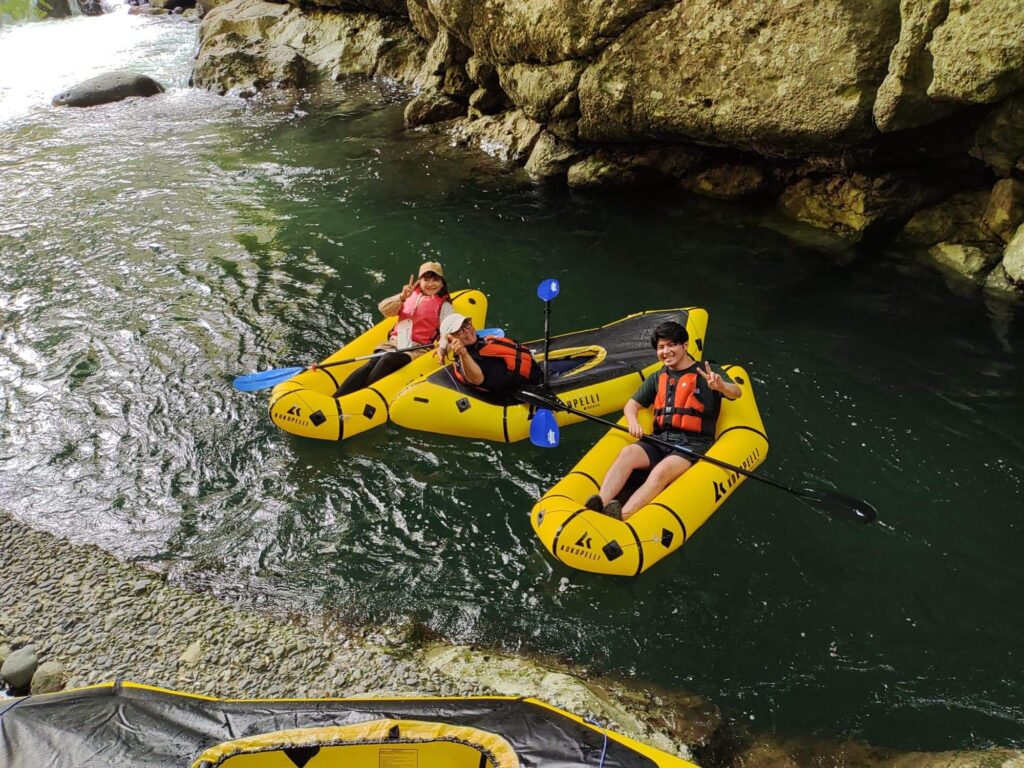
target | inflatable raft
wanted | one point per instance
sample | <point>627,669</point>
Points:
<point>591,541</point>
<point>595,371</point>
<point>126,725</point>
<point>305,405</point>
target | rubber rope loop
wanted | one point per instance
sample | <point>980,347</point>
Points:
<point>604,747</point>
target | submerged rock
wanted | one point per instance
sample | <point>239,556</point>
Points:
<point>510,137</point>
<point>104,89</point>
<point>853,205</point>
<point>430,108</point>
<point>972,261</point>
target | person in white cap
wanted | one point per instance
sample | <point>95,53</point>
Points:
<point>491,364</point>
<point>421,306</point>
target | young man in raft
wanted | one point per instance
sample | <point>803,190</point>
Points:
<point>496,365</point>
<point>686,397</point>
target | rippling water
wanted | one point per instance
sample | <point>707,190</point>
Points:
<point>153,249</point>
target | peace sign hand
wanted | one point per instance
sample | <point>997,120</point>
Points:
<point>407,290</point>
<point>714,380</point>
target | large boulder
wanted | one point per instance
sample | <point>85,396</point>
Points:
<point>1013,258</point>
<point>19,666</point>
<point>903,101</point>
<point>857,205</point>
<point>510,136</point>
<point>543,91</point>
<point>538,31</point>
<point>422,19</point>
<point>233,63</point>
<point>999,141</point>
<point>621,167</point>
<point>49,677</point>
<point>957,219</point>
<point>971,261</point>
<point>1005,210</point>
<point>253,44</point>
<point>772,77</point>
<point>104,89</point>
<point>551,157</point>
<point>427,108</point>
<point>978,51</point>
<point>728,181</point>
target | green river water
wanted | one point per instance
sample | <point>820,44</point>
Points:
<point>152,250</point>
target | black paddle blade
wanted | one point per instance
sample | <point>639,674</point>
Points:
<point>840,504</point>
<point>539,399</point>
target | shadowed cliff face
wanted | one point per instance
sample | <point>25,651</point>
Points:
<point>855,115</point>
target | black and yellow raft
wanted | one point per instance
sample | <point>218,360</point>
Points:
<point>305,404</point>
<point>126,725</point>
<point>591,541</point>
<point>595,371</point>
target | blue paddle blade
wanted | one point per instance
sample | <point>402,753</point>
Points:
<point>544,429</point>
<point>254,381</point>
<point>548,289</point>
<point>491,332</point>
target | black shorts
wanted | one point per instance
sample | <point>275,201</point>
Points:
<point>658,451</point>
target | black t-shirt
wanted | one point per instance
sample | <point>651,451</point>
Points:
<point>497,377</point>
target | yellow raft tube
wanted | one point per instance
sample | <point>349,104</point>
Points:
<point>595,371</point>
<point>305,405</point>
<point>591,541</point>
<point>124,725</point>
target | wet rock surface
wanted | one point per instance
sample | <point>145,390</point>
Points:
<point>845,113</point>
<point>104,89</point>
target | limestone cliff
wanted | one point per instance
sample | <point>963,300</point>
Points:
<point>854,115</point>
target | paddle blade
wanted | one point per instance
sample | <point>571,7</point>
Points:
<point>491,332</point>
<point>840,504</point>
<point>251,382</point>
<point>548,289</point>
<point>544,429</point>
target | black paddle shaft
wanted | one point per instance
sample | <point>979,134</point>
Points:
<point>370,356</point>
<point>832,501</point>
<point>547,339</point>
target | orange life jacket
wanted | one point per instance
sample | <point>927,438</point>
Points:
<point>680,403</point>
<point>517,358</point>
<point>425,313</point>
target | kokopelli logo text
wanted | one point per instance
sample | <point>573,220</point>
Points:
<point>723,488</point>
<point>582,548</point>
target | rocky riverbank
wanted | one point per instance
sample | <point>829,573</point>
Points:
<point>852,118</point>
<point>74,616</point>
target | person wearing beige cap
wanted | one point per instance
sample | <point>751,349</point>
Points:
<point>491,364</point>
<point>420,308</point>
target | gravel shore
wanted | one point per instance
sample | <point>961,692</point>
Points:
<point>100,619</point>
<point>90,618</point>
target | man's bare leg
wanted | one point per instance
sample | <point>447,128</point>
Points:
<point>664,472</point>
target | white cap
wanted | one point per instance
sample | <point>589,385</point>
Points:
<point>452,324</point>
